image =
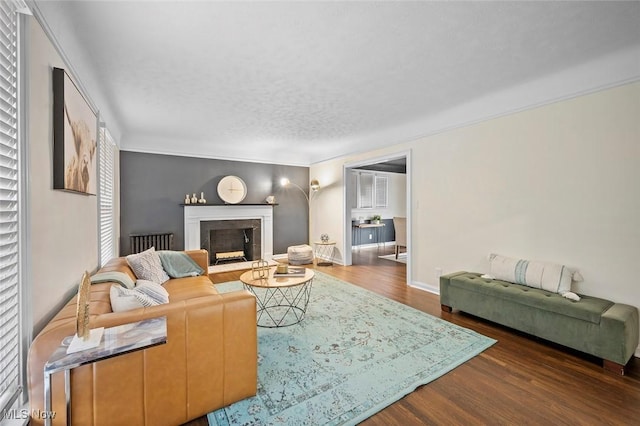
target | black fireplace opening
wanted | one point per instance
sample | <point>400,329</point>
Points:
<point>231,241</point>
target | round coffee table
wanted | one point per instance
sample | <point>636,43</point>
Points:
<point>282,301</point>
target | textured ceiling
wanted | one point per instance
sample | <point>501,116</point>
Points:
<point>301,82</point>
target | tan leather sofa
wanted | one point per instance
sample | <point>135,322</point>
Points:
<point>208,362</point>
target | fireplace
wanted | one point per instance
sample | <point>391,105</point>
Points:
<point>231,240</point>
<point>261,236</point>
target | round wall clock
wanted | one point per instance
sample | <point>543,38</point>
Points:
<point>232,189</point>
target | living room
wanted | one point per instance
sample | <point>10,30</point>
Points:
<point>542,168</point>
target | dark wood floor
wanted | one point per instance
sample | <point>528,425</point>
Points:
<point>520,380</point>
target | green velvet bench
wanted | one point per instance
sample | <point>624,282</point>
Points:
<point>595,326</point>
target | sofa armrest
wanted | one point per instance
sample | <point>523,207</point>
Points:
<point>201,257</point>
<point>209,361</point>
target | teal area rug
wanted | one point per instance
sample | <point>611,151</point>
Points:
<point>353,354</point>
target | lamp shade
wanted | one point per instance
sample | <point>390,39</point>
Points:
<point>315,185</point>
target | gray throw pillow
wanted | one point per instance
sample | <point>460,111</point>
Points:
<point>147,266</point>
<point>178,264</point>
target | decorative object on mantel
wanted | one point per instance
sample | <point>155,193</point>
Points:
<point>187,200</point>
<point>194,199</point>
<point>260,270</point>
<point>202,200</point>
<point>271,199</point>
<point>376,218</point>
<point>232,189</point>
<point>324,238</point>
<point>314,185</point>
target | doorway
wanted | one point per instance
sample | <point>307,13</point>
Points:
<point>363,240</point>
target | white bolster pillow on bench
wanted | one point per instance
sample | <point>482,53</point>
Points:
<point>543,275</point>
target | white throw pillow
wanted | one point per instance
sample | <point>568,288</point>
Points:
<point>154,290</point>
<point>544,275</point>
<point>124,299</point>
<point>147,266</point>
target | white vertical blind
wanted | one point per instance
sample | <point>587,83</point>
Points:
<point>365,191</point>
<point>10,327</point>
<point>381,191</point>
<point>372,190</point>
<point>106,165</point>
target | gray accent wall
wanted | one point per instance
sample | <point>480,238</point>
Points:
<point>153,187</point>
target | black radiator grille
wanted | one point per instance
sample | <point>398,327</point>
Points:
<point>142,242</point>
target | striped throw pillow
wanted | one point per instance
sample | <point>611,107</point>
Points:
<point>124,299</point>
<point>154,290</point>
<point>543,275</point>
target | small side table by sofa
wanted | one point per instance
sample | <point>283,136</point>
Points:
<point>116,341</point>
<point>324,252</point>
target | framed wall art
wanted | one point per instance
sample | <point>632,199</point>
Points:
<point>75,129</point>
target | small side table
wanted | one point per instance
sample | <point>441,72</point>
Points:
<point>324,252</point>
<point>116,341</point>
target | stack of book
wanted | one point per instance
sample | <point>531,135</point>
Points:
<point>292,271</point>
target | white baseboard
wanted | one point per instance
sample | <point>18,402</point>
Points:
<point>425,287</point>
<point>373,245</point>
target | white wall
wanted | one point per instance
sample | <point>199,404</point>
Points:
<point>63,225</point>
<point>556,183</point>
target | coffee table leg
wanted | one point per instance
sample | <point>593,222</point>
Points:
<point>293,300</point>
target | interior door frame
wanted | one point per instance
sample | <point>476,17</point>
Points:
<point>347,167</point>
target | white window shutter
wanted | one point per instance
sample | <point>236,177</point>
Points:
<point>365,191</point>
<point>11,364</point>
<point>106,166</point>
<point>382,184</point>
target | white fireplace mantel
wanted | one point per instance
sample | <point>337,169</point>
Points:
<point>193,215</point>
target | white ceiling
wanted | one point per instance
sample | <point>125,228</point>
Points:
<point>301,82</point>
